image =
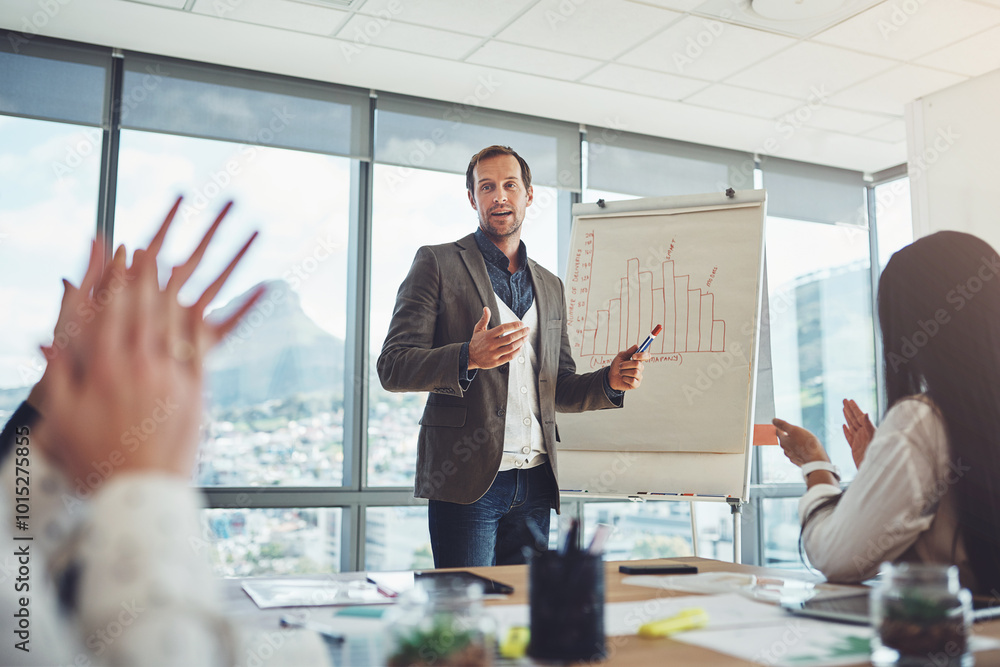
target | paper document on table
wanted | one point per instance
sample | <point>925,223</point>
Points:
<point>268,593</point>
<point>624,618</point>
<point>799,642</point>
<point>755,587</point>
<point>795,641</point>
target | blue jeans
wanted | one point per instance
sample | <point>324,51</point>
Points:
<point>494,529</point>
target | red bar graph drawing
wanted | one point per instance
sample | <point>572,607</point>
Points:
<point>647,298</point>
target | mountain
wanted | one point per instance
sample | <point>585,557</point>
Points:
<point>274,353</point>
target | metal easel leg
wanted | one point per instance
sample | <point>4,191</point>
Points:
<point>736,507</point>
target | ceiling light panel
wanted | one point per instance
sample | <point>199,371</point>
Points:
<point>406,37</point>
<point>644,82</point>
<point>799,18</point>
<point>808,70</point>
<point>276,14</point>
<point>908,30</point>
<point>705,48</point>
<point>462,16</point>
<point>532,61</point>
<point>599,30</point>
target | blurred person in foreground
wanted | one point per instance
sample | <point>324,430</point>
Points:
<point>928,483</point>
<point>114,575</point>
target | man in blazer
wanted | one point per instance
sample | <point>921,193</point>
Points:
<point>482,327</point>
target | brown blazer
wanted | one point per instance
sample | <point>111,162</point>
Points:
<point>461,432</point>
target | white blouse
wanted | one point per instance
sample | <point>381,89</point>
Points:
<point>899,506</point>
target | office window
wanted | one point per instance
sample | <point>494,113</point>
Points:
<point>415,207</point>
<point>48,209</point>
<point>660,529</point>
<point>821,327</point>
<point>422,151</point>
<point>276,384</point>
<point>894,220</point>
<point>781,534</point>
<point>821,334</point>
<point>397,538</point>
<point>259,542</point>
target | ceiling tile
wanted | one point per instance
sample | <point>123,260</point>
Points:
<point>892,132</point>
<point>406,37</point>
<point>743,101</point>
<point>972,56</point>
<point>644,82</point>
<point>908,30</point>
<point>705,48</point>
<point>172,4</point>
<point>532,61</point>
<point>457,15</point>
<point>809,70</point>
<point>802,19</point>
<point>275,13</point>
<point>826,117</point>
<point>677,5</point>
<point>592,29</point>
<point>890,91</point>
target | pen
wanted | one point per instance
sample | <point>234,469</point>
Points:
<point>569,545</point>
<point>649,339</point>
<point>686,619</point>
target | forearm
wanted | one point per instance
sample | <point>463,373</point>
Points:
<point>405,368</point>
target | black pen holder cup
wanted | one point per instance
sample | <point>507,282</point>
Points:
<point>566,592</point>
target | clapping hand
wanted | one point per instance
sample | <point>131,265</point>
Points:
<point>858,430</point>
<point>128,387</point>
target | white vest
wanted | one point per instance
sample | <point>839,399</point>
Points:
<point>523,442</point>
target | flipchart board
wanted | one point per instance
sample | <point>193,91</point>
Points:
<point>693,264</point>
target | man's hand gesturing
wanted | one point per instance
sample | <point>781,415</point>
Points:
<point>494,347</point>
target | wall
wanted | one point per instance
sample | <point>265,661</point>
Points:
<point>953,140</point>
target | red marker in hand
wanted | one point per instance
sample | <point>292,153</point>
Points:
<point>649,339</point>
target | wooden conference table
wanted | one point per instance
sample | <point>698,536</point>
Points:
<point>631,650</point>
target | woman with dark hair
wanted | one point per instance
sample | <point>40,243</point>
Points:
<point>928,481</point>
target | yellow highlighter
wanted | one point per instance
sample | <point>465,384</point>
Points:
<point>515,644</point>
<point>686,619</point>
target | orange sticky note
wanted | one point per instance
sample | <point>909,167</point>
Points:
<point>765,434</point>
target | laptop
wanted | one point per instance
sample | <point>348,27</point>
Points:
<point>855,608</point>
